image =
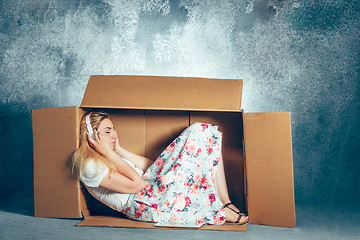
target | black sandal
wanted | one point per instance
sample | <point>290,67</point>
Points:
<point>241,214</point>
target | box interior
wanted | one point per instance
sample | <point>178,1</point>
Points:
<point>148,133</point>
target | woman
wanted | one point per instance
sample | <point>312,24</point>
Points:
<point>185,186</point>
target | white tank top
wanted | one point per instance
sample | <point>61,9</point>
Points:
<point>94,173</point>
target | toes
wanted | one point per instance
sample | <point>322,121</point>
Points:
<point>243,219</point>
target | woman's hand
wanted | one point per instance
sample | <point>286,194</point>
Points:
<point>117,148</point>
<point>139,161</point>
<point>100,144</point>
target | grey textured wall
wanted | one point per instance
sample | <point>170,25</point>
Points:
<point>297,56</point>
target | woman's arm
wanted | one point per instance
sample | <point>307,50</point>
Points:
<point>125,179</point>
<point>119,183</point>
<point>139,161</point>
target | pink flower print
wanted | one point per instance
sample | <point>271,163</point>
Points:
<point>172,221</point>
<point>142,207</point>
<point>181,221</point>
<point>176,166</point>
<point>221,210</point>
<point>200,221</point>
<point>191,146</point>
<point>212,197</point>
<point>184,157</point>
<point>167,204</point>
<point>179,202</point>
<point>203,182</point>
<point>158,212</point>
<point>154,205</point>
<point>138,214</point>
<point>150,191</point>
<point>176,221</point>
<point>126,211</point>
<point>140,195</point>
<point>219,219</point>
<point>161,189</point>
<point>159,172</point>
<point>197,177</point>
<point>204,126</point>
<point>170,148</point>
<point>209,150</point>
<point>211,141</point>
<point>198,152</point>
<point>194,189</point>
<point>188,201</point>
<point>159,162</point>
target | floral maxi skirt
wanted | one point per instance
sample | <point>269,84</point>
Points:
<point>181,182</point>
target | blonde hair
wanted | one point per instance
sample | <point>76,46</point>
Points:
<point>85,152</point>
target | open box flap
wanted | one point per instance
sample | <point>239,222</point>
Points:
<point>269,169</point>
<point>109,221</point>
<point>56,191</point>
<point>163,93</point>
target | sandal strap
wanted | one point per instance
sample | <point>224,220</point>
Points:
<point>241,214</point>
<point>227,206</point>
<point>238,220</point>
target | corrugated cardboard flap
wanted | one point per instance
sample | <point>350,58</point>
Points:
<point>269,169</point>
<point>163,93</point>
<point>108,221</point>
<point>56,191</point>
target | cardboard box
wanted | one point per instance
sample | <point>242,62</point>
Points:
<point>149,112</point>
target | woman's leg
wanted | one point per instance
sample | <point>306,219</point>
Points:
<point>221,188</point>
<point>220,180</point>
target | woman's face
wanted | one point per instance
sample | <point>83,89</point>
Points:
<point>107,131</point>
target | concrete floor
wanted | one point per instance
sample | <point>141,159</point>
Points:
<point>17,222</point>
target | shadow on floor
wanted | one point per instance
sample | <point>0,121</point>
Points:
<point>19,205</point>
